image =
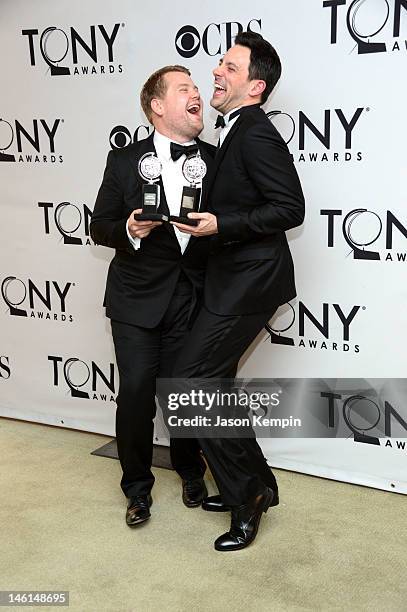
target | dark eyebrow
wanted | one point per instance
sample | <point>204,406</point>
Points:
<point>232,64</point>
<point>221,61</point>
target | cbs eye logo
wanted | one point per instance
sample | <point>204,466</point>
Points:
<point>187,41</point>
<point>120,136</point>
<point>215,39</point>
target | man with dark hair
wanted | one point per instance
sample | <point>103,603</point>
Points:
<point>154,281</point>
<point>254,197</point>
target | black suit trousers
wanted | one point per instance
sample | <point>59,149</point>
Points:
<point>142,355</point>
<point>212,350</point>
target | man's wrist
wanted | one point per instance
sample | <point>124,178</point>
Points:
<point>135,242</point>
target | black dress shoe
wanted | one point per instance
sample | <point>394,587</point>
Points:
<point>193,492</point>
<point>138,510</point>
<point>245,522</point>
<point>215,504</point>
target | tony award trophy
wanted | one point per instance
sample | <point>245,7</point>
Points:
<point>149,169</point>
<point>194,169</point>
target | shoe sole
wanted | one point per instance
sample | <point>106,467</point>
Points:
<point>192,505</point>
<point>223,509</point>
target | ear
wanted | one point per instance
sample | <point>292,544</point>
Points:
<point>256,88</point>
<point>157,106</point>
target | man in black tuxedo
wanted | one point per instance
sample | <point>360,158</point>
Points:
<point>253,198</point>
<point>154,281</point>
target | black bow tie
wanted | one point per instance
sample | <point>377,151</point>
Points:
<point>220,120</point>
<point>178,150</point>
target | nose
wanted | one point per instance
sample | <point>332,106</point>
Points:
<point>217,71</point>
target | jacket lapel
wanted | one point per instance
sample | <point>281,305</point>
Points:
<point>207,178</point>
<point>220,154</point>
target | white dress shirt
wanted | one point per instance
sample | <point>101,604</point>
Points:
<point>173,181</point>
<point>228,125</point>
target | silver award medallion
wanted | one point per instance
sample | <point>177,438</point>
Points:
<point>150,167</point>
<point>194,169</point>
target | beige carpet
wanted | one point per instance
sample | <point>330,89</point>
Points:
<point>327,546</point>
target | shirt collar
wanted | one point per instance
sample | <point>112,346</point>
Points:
<point>227,116</point>
<point>162,145</point>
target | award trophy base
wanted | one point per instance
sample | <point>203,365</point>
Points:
<point>151,202</point>
<point>184,220</point>
<point>150,217</point>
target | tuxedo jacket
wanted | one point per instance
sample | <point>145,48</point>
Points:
<point>256,195</point>
<point>140,283</point>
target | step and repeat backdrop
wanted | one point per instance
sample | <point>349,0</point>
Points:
<point>71,73</point>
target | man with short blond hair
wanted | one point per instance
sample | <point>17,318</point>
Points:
<point>154,281</point>
<point>156,87</point>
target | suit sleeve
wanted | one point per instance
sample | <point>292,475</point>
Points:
<point>270,167</point>
<point>108,224</point>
